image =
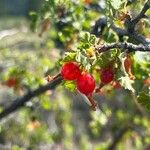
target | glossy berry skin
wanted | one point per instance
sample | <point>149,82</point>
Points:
<point>107,75</point>
<point>70,71</point>
<point>86,83</point>
<point>11,82</point>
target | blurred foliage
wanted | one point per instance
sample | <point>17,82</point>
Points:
<point>56,119</point>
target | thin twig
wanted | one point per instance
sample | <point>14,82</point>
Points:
<point>19,102</point>
<point>131,23</point>
<point>142,13</point>
<point>129,31</point>
<point>129,46</point>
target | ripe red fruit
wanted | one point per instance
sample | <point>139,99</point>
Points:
<point>107,75</point>
<point>11,82</point>
<point>86,83</point>
<point>70,71</point>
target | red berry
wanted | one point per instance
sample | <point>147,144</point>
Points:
<point>11,82</point>
<point>107,75</point>
<point>70,71</point>
<point>86,83</point>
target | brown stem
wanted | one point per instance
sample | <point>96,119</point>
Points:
<point>19,102</point>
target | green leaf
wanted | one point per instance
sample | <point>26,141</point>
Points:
<point>87,40</point>
<point>78,56</point>
<point>92,39</point>
<point>70,85</point>
<point>116,4</point>
<point>69,56</point>
<point>127,83</point>
<point>82,59</point>
<point>144,100</point>
<point>86,37</point>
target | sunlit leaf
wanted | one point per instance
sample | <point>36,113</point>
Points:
<point>70,85</point>
<point>116,3</point>
<point>127,83</point>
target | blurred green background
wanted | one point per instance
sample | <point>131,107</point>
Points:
<point>60,119</point>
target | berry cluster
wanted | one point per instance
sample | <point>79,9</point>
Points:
<point>85,81</point>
